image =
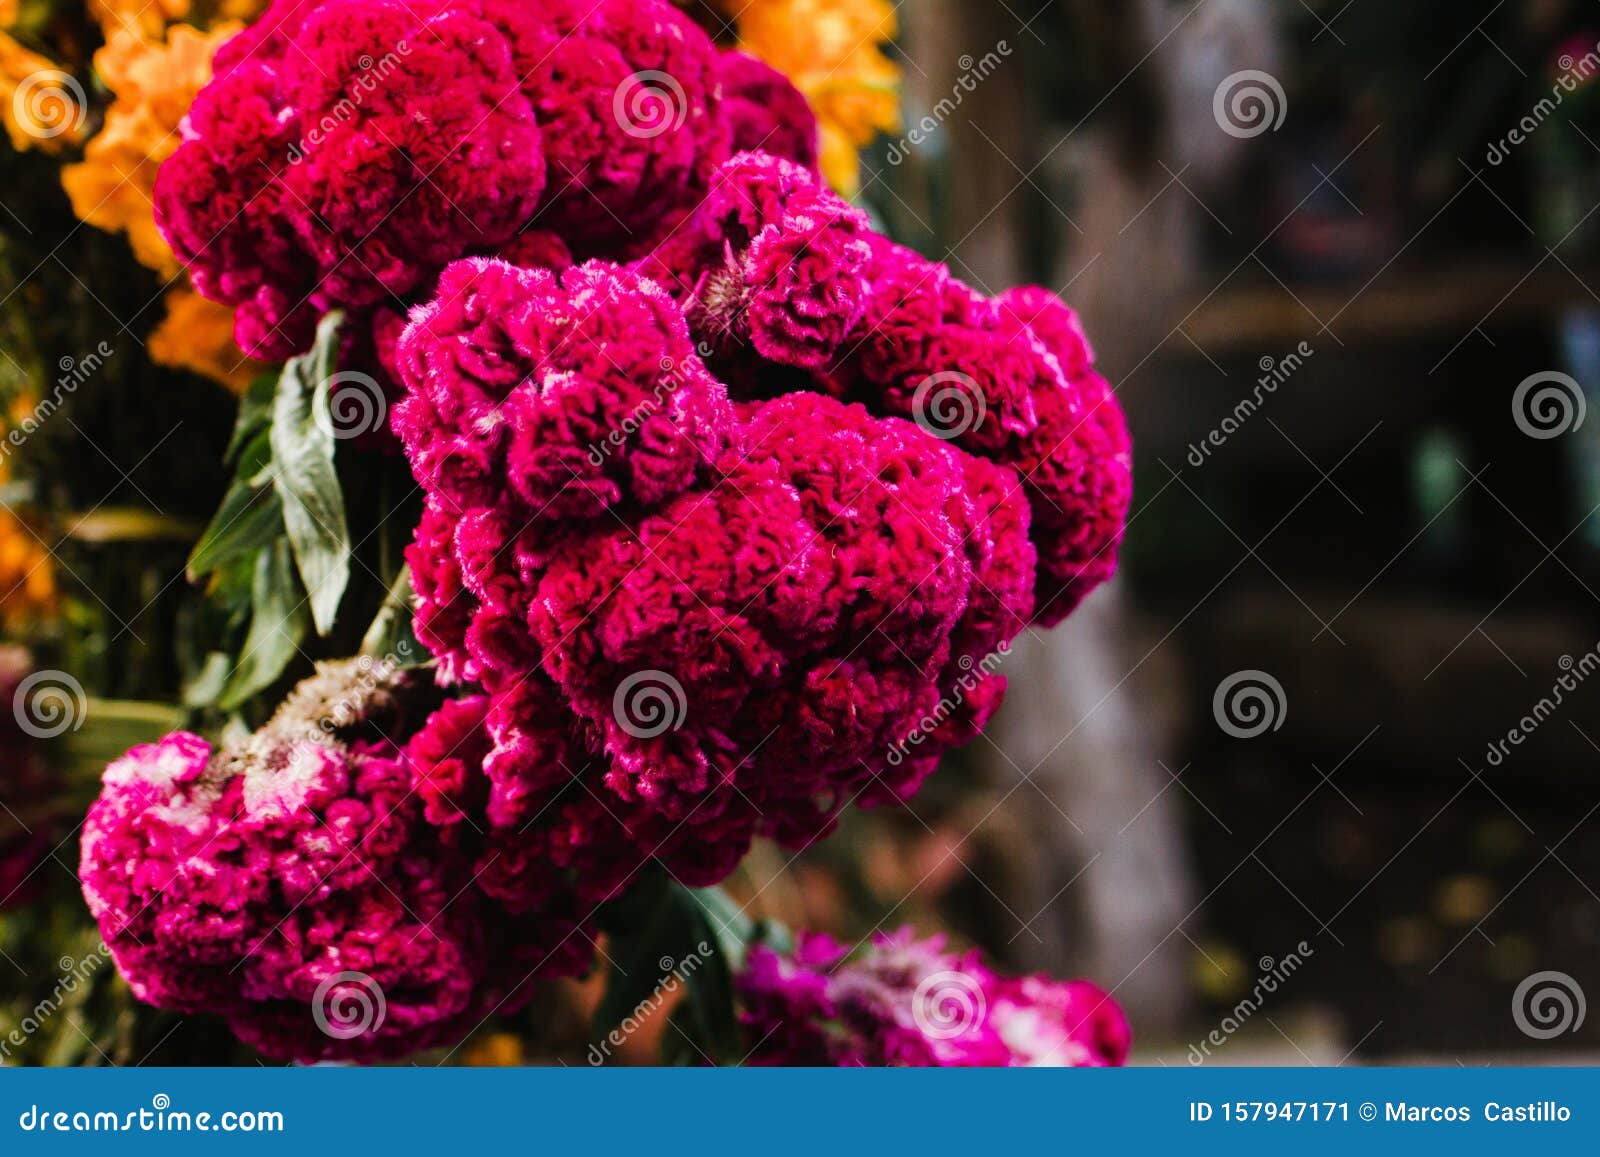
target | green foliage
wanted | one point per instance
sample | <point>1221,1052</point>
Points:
<point>665,937</point>
<point>278,550</point>
<point>304,476</point>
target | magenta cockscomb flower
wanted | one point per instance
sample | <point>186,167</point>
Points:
<point>772,265</point>
<point>1009,378</point>
<point>721,620</point>
<point>765,112</point>
<point>732,509</point>
<point>345,151</point>
<point>308,885</point>
<point>786,288</point>
<point>898,1000</point>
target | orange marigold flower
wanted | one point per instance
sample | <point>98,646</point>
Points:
<point>197,335</point>
<point>147,16</point>
<point>42,106</point>
<point>500,1050</point>
<point>27,579</point>
<point>832,50</point>
<point>154,83</point>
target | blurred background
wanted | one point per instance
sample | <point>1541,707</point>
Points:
<point>1315,780</point>
<point>1339,260</point>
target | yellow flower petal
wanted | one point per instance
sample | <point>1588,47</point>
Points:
<point>832,51</point>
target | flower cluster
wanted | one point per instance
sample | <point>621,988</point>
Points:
<point>903,1001</point>
<point>728,604</point>
<point>39,103</point>
<point>1010,378</point>
<point>346,151</point>
<point>28,589</point>
<point>154,83</point>
<point>797,278</point>
<point>255,879</point>
<point>155,75</point>
<point>718,618</point>
<point>27,573</point>
<point>770,261</point>
<point>730,503</point>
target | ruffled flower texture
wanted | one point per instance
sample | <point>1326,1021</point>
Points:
<point>777,275</point>
<point>1010,378</point>
<point>771,261</point>
<point>902,1001</point>
<point>312,888</point>
<point>706,607</point>
<point>766,113</point>
<point>346,151</point>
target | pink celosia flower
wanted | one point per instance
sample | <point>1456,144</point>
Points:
<point>902,1001</point>
<point>771,259</point>
<point>771,275</point>
<point>345,151</point>
<point>765,112</point>
<point>804,590</point>
<point>1009,378</point>
<point>311,886</point>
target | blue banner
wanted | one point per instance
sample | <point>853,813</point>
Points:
<point>799,1112</point>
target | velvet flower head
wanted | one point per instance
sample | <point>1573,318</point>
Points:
<point>719,620</point>
<point>898,1000</point>
<point>301,884</point>
<point>347,150</point>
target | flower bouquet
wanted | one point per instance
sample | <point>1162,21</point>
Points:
<point>606,494</point>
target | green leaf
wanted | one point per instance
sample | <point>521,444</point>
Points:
<point>665,938</point>
<point>249,518</point>
<point>305,479</point>
<point>207,685</point>
<point>277,627</point>
<point>390,637</point>
<point>255,414</point>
